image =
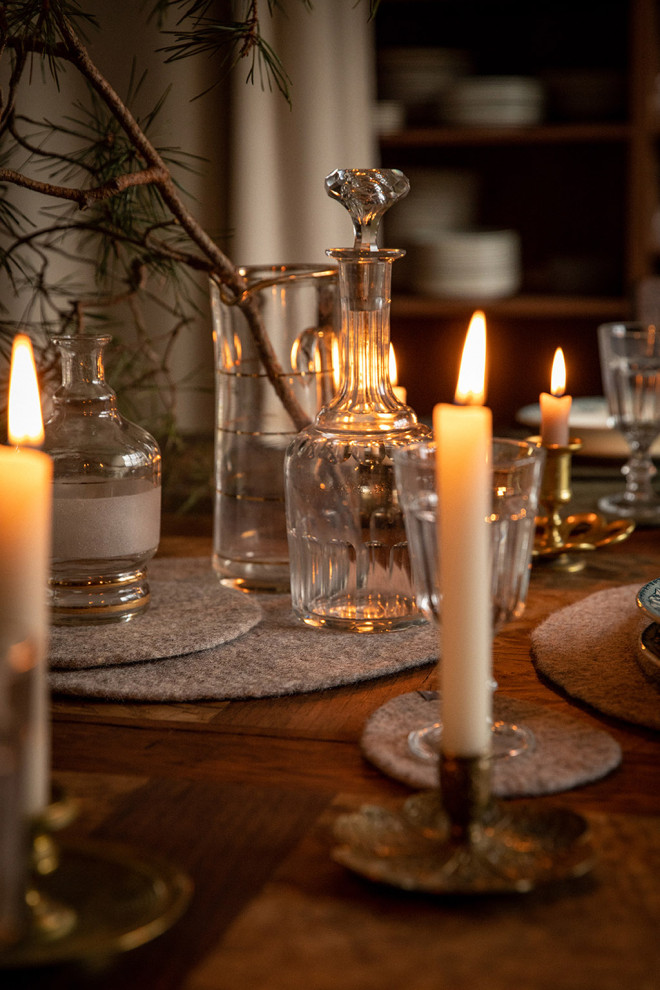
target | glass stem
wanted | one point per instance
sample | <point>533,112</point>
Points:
<point>639,472</point>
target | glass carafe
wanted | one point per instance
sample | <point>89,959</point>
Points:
<point>298,307</point>
<point>106,494</point>
<point>347,545</point>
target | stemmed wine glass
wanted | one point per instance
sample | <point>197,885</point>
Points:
<point>630,366</point>
<point>517,472</point>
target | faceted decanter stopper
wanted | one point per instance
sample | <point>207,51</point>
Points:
<point>367,194</point>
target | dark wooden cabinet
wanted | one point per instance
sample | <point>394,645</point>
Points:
<point>580,186</point>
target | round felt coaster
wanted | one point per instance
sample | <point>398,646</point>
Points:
<point>189,610</point>
<point>278,656</point>
<point>566,752</point>
<point>590,650</point>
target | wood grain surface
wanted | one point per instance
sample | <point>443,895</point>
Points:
<point>243,796</point>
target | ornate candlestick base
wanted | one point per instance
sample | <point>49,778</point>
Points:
<point>559,538</point>
<point>89,901</point>
<point>464,843</point>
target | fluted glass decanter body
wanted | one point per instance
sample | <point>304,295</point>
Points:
<point>106,494</point>
<point>348,553</point>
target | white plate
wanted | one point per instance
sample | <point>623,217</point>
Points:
<point>509,101</point>
<point>588,421</point>
<point>478,285</point>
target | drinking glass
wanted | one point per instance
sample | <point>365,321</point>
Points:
<point>630,366</point>
<point>517,473</point>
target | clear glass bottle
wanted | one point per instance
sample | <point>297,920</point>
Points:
<point>106,494</point>
<point>347,546</point>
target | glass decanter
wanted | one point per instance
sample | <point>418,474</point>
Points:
<point>106,494</point>
<point>348,554</point>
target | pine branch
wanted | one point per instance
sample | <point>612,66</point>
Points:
<point>86,197</point>
<point>155,174</point>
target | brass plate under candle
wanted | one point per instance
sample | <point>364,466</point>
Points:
<point>121,900</point>
<point>522,847</point>
<point>582,531</point>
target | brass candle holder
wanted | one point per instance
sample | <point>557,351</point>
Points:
<point>458,840</point>
<point>73,891</point>
<point>48,919</point>
<point>465,786</point>
<point>561,540</point>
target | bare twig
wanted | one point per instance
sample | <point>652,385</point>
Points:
<point>86,197</point>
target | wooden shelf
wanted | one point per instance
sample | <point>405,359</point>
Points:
<point>523,306</point>
<point>436,137</point>
<point>580,192</point>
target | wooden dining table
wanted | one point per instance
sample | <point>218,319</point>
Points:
<point>243,795</point>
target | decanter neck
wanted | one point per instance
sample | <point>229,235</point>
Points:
<point>365,399</point>
<point>83,372</point>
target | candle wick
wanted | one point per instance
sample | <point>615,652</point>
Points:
<point>469,399</point>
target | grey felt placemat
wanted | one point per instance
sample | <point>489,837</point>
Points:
<point>589,649</point>
<point>567,752</point>
<point>189,610</point>
<point>278,656</point>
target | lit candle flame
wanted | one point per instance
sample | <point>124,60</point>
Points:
<point>558,377</point>
<point>471,387</point>
<point>393,369</point>
<point>25,423</point>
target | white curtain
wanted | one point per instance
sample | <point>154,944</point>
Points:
<point>279,212</point>
<point>258,181</point>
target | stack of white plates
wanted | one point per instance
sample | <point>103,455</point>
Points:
<point>462,264</point>
<point>492,101</point>
<point>439,199</point>
<point>418,76</point>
